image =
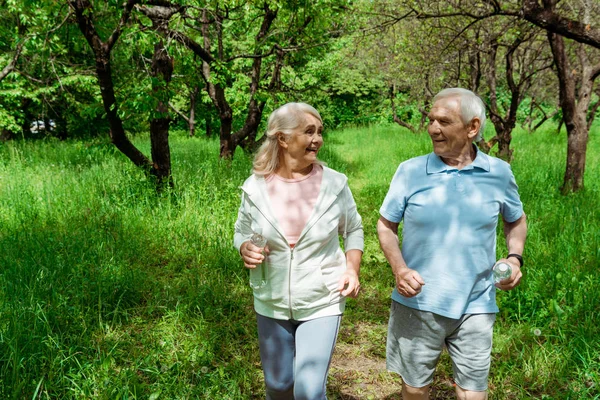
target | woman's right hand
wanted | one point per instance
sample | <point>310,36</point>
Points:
<point>252,255</point>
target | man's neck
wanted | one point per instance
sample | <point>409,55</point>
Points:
<point>463,159</point>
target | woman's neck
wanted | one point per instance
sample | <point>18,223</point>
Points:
<point>290,171</point>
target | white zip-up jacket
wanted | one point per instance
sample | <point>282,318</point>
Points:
<point>302,281</point>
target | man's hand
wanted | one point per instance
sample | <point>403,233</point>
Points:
<point>515,276</point>
<point>252,255</point>
<point>409,282</point>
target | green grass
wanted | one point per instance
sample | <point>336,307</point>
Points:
<point>110,291</point>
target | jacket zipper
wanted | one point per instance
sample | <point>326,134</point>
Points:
<point>290,282</point>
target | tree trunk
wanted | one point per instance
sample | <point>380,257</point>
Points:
<point>226,144</point>
<point>162,66</point>
<point>485,145</point>
<point>575,105</point>
<point>504,138</point>
<point>84,13</point>
<point>207,125</point>
<point>192,118</point>
<point>592,115</point>
<point>217,92</point>
<point>576,150</point>
<point>5,135</point>
<point>247,135</point>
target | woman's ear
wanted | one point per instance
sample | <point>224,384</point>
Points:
<point>281,140</point>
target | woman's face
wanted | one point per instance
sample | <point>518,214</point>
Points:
<point>303,145</point>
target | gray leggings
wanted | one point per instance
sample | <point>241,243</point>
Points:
<point>296,355</point>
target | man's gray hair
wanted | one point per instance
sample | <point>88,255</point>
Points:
<point>471,106</point>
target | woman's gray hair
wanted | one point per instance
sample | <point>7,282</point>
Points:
<point>471,106</point>
<point>286,119</point>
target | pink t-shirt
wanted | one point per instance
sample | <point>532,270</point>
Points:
<point>294,200</point>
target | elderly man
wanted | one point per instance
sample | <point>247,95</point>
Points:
<point>445,295</point>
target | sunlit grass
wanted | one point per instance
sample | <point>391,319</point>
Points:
<point>108,290</point>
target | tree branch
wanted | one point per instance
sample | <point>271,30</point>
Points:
<point>182,115</point>
<point>595,72</point>
<point>118,29</point>
<point>160,16</point>
<point>11,65</point>
<point>547,18</point>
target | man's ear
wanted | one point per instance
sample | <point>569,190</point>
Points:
<point>473,128</point>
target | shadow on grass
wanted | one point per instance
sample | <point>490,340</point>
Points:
<point>77,282</point>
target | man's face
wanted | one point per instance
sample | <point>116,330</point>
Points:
<point>450,137</point>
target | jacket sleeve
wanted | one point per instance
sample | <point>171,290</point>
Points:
<point>243,224</point>
<point>351,223</point>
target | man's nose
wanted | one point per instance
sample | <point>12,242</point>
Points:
<point>433,127</point>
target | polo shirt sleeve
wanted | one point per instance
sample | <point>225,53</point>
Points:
<point>511,208</point>
<point>394,203</point>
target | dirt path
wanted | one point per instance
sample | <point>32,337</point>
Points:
<point>358,370</point>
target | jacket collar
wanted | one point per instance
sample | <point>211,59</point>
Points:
<point>436,165</point>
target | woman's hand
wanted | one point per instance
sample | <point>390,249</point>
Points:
<point>349,285</point>
<point>252,255</point>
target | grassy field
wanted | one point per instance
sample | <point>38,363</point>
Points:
<point>109,291</point>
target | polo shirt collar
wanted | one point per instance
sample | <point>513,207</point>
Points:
<point>436,165</point>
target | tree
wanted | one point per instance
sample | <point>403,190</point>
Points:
<point>575,85</point>
<point>162,71</point>
<point>84,15</point>
<point>576,88</point>
<point>242,49</point>
<point>523,60</point>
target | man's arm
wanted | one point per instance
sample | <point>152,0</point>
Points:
<point>408,281</point>
<point>515,233</point>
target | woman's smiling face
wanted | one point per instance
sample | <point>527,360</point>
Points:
<point>303,145</point>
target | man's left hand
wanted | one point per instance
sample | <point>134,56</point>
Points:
<point>515,277</point>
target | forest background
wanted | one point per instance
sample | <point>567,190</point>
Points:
<point>127,127</point>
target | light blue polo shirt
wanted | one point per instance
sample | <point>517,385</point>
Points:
<point>449,233</point>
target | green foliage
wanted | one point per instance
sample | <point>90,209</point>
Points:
<point>108,290</point>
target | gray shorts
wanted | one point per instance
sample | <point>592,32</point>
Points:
<point>416,339</point>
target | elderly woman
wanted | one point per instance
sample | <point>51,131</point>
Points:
<point>301,207</point>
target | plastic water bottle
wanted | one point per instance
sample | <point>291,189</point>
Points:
<point>258,275</point>
<point>501,271</point>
